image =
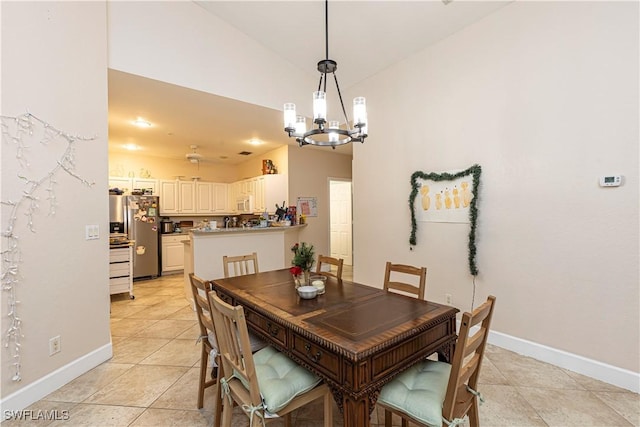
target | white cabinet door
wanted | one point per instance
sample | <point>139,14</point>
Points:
<point>258,199</point>
<point>267,191</point>
<point>123,184</point>
<point>169,202</point>
<point>187,197</point>
<point>172,253</point>
<point>145,183</point>
<point>220,197</point>
<point>234,193</point>
<point>204,197</point>
<point>276,190</point>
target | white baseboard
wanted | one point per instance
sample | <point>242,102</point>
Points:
<point>610,374</point>
<point>35,391</point>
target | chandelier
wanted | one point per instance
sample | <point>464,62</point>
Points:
<point>326,133</point>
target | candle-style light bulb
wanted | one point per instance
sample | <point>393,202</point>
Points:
<point>289,115</point>
<point>319,106</point>
<point>359,111</point>
<point>333,136</point>
<point>301,125</point>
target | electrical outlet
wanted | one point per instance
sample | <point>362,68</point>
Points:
<point>54,345</point>
<point>447,299</point>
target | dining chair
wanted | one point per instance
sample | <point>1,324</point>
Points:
<point>200,287</point>
<point>266,383</point>
<point>413,289</point>
<point>241,264</point>
<point>434,393</point>
<point>337,262</point>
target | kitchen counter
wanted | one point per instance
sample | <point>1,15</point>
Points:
<point>245,230</point>
<point>206,249</point>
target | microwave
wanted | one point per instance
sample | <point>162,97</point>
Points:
<point>244,204</point>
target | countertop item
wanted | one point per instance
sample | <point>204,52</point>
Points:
<point>245,230</point>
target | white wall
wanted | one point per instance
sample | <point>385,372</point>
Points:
<point>544,96</point>
<point>54,65</point>
<point>253,166</point>
<point>309,172</point>
<point>181,43</point>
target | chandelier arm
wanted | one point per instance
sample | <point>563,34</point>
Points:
<point>344,111</point>
<point>320,82</point>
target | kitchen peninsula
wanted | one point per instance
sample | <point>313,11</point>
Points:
<point>204,249</point>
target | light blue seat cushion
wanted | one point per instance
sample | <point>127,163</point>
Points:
<point>419,391</point>
<point>280,379</point>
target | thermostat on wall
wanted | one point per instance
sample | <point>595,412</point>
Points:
<point>610,180</point>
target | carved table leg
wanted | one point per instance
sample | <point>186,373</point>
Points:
<point>356,413</point>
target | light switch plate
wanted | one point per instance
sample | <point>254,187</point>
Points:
<point>92,232</point>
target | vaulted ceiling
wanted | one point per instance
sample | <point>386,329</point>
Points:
<point>365,37</point>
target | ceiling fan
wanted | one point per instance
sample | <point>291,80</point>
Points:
<point>194,157</point>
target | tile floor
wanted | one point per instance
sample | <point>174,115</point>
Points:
<point>152,379</point>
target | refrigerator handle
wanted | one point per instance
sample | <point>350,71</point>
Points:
<point>128,219</point>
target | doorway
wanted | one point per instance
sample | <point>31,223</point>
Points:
<point>340,213</point>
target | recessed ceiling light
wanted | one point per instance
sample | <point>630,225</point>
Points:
<point>131,147</point>
<point>255,141</point>
<point>142,123</point>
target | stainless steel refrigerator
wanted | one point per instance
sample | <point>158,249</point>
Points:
<point>139,219</point>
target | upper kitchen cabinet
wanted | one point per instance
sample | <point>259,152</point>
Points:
<point>187,197</point>
<point>120,183</point>
<point>128,185</point>
<point>169,202</point>
<point>145,184</point>
<point>212,197</point>
<point>193,198</point>
<point>270,190</point>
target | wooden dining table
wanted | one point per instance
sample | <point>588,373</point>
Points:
<point>355,337</point>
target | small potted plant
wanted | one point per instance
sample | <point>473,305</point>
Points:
<point>302,262</point>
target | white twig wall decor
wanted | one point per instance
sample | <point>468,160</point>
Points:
<point>26,134</point>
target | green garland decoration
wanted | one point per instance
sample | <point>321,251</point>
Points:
<point>474,170</point>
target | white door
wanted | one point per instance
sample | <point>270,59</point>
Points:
<point>340,227</point>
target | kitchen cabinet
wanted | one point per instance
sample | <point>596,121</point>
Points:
<point>234,193</point>
<point>193,198</point>
<point>211,197</point>
<point>220,198</point>
<point>187,197</point>
<point>121,271</point>
<point>123,184</point>
<point>172,252</point>
<point>269,191</point>
<point>204,196</point>
<point>130,184</point>
<point>266,190</point>
<point>145,184</point>
<point>169,203</point>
